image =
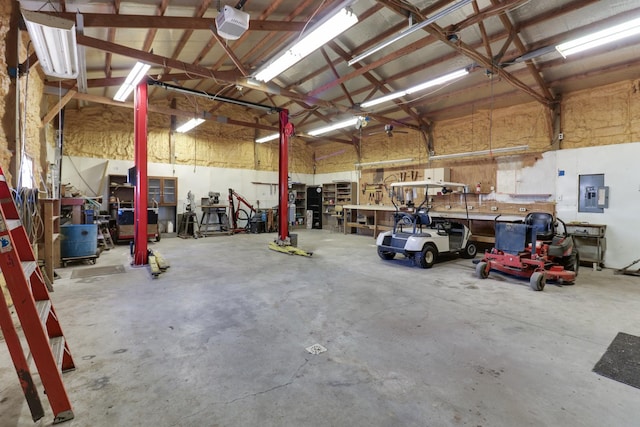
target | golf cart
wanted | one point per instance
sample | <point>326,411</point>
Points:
<point>532,249</point>
<point>418,236</point>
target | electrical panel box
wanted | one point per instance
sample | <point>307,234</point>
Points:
<point>594,195</point>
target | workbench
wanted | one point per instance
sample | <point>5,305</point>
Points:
<point>214,220</point>
<point>590,241</point>
<point>367,219</point>
<point>374,219</point>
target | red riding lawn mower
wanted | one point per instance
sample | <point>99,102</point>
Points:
<point>533,250</point>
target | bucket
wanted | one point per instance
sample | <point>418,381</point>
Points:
<point>78,240</point>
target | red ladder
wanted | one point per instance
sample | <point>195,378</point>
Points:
<point>36,314</point>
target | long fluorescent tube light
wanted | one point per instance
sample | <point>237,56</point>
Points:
<point>409,30</point>
<point>382,162</point>
<point>268,138</point>
<point>480,153</point>
<point>321,34</point>
<point>335,126</point>
<point>417,88</point>
<point>186,127</point>
<point>135,75</point>
<point>382,99</point>
<point>54,40</point>
<point>599,38</point>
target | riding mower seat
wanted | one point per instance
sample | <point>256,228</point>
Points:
<point>545,232</point>
<point>543,223</point>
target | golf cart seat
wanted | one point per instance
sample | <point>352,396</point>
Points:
<point>422,218</point>
<point>543,223</point>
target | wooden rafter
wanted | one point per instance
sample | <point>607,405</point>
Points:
<point>378,85</point>
<point>111,36</point>
<point>483,31</point>
<point>260,46</point>
<point>151,34</point>
<point>522,48</point>
<point>57,107</point>
<point>229,52</point>
<point>336,74</point>
<point>172,111</point>
<point>467,50</point>
<point>107,20</point>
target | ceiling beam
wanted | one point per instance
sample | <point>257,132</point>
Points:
<point>406,50</point>
<point>522,48</point>
<point>107,20</point>
<point>173,112</point>
<point>151,58</point>
<point>58,106</point>
<point>229,52</point>
<point>380,86</point>
<point>230,77</point>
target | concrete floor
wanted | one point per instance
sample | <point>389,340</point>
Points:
<point>219,340</point>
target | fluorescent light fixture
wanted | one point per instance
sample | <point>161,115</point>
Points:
<point>409,30</point>
<point>54,40</point>
<point>343,124</point>
<point>268,138</point>
<point>383,162</point>
<point>190,125</point>
<point>382,99</point>
<point>480,153</point>
<point>417,88</point>
<point>318,36</point>
<point>535,54</point>
<point>135,75</point>
<point>599,38</point>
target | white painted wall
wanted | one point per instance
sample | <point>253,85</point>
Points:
<point>86,174</point>
<point>619,164</point>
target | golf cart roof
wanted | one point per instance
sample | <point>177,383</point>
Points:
<point>427,183</point>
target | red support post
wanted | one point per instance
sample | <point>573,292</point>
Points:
<point>283,182</point>
<point>140,196</point>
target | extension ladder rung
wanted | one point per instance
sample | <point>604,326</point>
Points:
<point>43,307</point>
<point>29,267</point>
<point>57,347</point>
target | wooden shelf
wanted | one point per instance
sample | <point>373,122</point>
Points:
<point>337,193</point>
<point>50,242</point>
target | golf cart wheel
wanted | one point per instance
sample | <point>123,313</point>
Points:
<point>426,257</point>
<point>481,270</point>
<point>537,281</point>
<point>571,263</point>
<point>386,255</point>
<point>469,251</point>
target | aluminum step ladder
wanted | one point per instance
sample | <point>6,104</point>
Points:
<point>35,313</point>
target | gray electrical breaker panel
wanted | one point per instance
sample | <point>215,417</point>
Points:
<point>594,195</point>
